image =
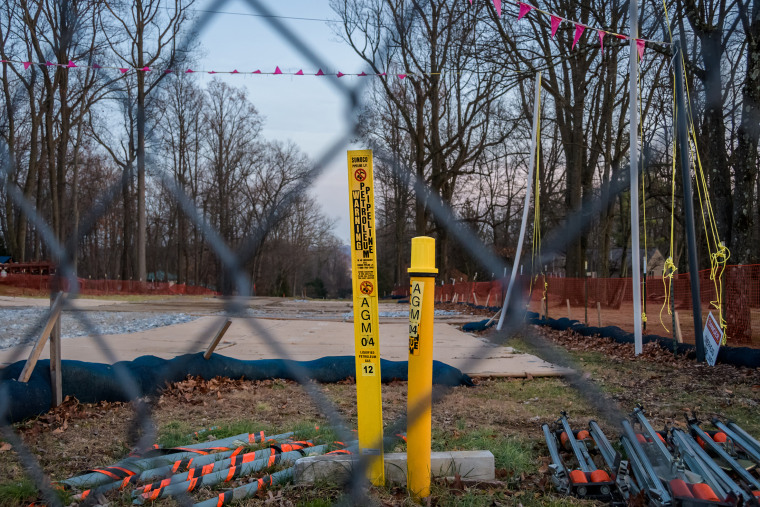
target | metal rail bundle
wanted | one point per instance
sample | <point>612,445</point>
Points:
<point>673,468</point>
<point>587,480</point>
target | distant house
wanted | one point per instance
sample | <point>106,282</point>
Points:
<point>161,276</point>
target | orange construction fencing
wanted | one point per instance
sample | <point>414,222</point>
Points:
<point>40,284</point>
<point>609,301</point>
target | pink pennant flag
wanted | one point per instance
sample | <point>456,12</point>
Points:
<point>319,73</point>
<point>578,32</point>
<point>363,74</point>
<point>50,64</point>
<point>235,72</point>
<point>277,70</point>
<point>601,39</point>
<point>621,37</point>
<point>168,71</point>
<point>640,44</point>
<point>555,24</point>
<point>145,69</point>
<point>26,65</point>
<point>189,71</point>
<point>123,71</point>
<point>382,74</point>
<point>96,66</point>
<point>340,74</point>
<point>401,76</point>
<point>299,73</point>
<point>524,9</point>
<point>212,72</point>
<point>497,6</point>
<point>71,65</point>
<point>257,71</point>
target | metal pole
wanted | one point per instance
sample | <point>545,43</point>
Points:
<point>531,167</point>
<point>688,205</point>
<point>633,77</point>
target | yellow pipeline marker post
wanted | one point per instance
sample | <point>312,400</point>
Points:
<point>419,400</point>
<point>366,338</point>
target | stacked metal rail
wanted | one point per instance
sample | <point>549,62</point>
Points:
<point>669,468</point>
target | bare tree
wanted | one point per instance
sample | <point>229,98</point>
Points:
<point>448,105</point>
<point>144,34</point>
<point>233,147</point>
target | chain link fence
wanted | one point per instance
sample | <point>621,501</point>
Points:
<point>233,262</point>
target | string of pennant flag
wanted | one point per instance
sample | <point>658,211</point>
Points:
<point>580,28</point>
<point>275,72</point>
<point>523,9</point>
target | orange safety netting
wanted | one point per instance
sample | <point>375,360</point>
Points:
<point>741,286</point>
<point>36,284</point>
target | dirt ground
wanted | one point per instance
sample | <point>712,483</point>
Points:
<point>503,415</point>
<point>623,318</point>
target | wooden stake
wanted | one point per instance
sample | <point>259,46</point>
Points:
<point>488,298</point>
<point>56,377</point>
<point>494,317</point>
<point>217,339</point>
<point>568,309</point>
<point>599,312</point>
<point>34,355</point>
<point>475,298</point>
<point>679,336</point>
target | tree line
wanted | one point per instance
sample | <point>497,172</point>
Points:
<point>461,123</point>
<point>148,173</point>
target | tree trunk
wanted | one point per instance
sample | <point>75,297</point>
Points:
<point>141,226</point>
<point>745,169</point>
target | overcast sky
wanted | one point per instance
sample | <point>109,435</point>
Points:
<point>307,110</point>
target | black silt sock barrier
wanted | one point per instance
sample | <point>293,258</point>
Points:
<point>736,356</point>
<point>94,382</point>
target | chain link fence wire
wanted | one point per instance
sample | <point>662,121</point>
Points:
<point>233,262</point>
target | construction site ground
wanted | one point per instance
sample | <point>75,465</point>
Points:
<point>302,330</point>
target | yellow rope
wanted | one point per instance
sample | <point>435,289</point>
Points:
<point>537,214</point>
<point>718,252</point>
<point>669,269</point>
<point>536,244</point>
<point>643,201</point>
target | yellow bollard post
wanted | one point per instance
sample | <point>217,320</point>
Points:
<point>419,399</point>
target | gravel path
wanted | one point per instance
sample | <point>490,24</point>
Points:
<point>23,325</point>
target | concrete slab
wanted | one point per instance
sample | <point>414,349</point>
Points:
<point>301,340</point>
<point>472,465</point>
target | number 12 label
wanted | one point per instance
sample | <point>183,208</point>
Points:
<point>368,370</point>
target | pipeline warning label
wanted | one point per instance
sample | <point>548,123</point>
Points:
<point>415,305</point>
<point>361,201</point>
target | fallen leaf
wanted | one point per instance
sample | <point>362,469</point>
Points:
<point>5,447</point>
